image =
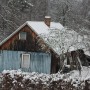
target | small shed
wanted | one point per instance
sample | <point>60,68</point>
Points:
<point>25,49</point>
<point>21,49</point>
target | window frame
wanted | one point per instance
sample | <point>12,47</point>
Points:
<point>22,61</point>
<point>20,35</point>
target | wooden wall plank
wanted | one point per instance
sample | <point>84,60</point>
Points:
<point>39,62</point>
<point>10,60</point>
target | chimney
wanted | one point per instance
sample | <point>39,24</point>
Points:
<point>47,20</point>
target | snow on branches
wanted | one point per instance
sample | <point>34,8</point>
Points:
<point>64,40</point>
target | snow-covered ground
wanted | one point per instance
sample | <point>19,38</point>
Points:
<point>74,76</point>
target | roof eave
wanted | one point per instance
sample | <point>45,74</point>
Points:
<point>1,43</point>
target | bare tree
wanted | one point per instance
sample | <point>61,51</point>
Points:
<point>63,42</point>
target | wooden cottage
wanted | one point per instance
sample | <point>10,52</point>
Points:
<point>21,48</point>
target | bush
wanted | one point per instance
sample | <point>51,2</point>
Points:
<point>33,81</point>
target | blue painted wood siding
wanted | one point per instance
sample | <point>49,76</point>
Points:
<point>39,62</point>
<point>9,60</point>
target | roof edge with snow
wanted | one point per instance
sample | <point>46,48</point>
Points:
<point>13,33</point>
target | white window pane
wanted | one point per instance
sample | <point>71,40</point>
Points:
<point>25,60</point>
<point>22,35</point>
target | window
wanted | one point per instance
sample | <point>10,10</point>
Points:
<point>22,35</point>
<point>25,60</point>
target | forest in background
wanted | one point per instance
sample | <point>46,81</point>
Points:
<point>74,14</point>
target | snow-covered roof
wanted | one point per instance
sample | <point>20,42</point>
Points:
<point>41,28</point>
<point>37,26</point>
